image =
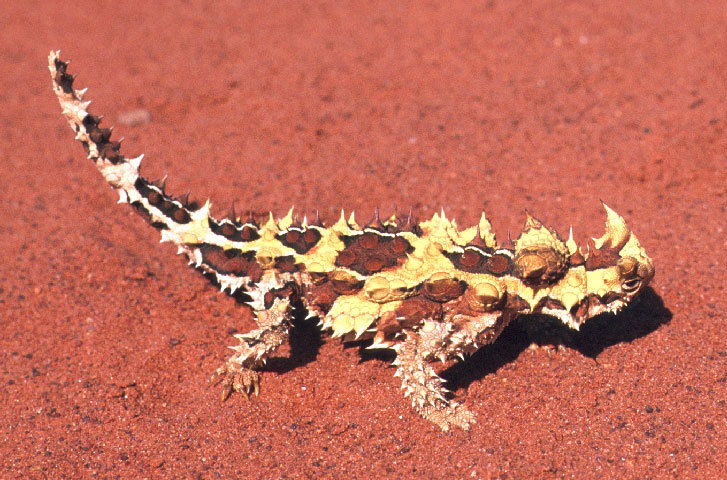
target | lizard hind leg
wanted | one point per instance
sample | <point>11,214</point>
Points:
<point>420,381</point>
<point>239,373</point>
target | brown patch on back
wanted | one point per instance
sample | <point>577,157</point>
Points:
<point>499,264</point>
<point>287,264</point>
<point>476,260</point>
<point>369,240</point>
<point>161,201</point>
<point>472,260</point>
<point>299,239</point>
<point>370,252</point>
<point>345,259</point>
<point>233,232</point>
<point>231,262</point>
<point>374,263</point>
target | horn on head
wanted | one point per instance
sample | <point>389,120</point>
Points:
<point>617,233</point>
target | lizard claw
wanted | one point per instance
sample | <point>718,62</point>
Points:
<point>236,378</point>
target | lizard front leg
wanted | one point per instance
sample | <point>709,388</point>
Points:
<point>239,373</point>
<point>420,381</point>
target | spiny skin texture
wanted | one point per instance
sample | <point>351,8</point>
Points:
<point>428,291</point>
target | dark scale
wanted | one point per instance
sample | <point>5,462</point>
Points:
<point>180,215</point>
<point>229,230</point>
<point>372,252</point>
<point>472,260</point>
<point>299,239</point>
<point>287,264</point>
<point>499,264</point>
<point>91,122</point>
<point>102,138</point>
<point>475,260</point>
<point>141,210</point>
<point>63,79</point>
<point>231,261</point>
<point>100,135</point>
<point>158,199</point>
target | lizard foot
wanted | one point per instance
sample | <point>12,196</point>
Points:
<point>236,378</point>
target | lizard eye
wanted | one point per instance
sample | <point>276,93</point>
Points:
<point>631,285</point>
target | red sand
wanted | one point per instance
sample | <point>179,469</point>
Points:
<point>108,339</point>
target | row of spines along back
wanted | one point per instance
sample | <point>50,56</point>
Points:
<point>100,148</point>
<point>179,210</point>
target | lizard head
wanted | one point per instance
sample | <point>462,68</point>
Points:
<point>604,277</point>
<point>617,267</point>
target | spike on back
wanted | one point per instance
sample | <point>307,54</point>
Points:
<point>251,220</point>
<point>375,222</point>
<point>352,222</point>
<point>486,233</point>
<point>285,222</point>
<point>570,243</point>
<point>541,257</point>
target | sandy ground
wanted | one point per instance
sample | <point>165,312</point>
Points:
<point>108,339</point>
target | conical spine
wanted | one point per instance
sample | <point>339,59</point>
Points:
<point>184,223</point>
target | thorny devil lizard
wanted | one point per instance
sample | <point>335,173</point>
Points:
<point>427,290</point>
